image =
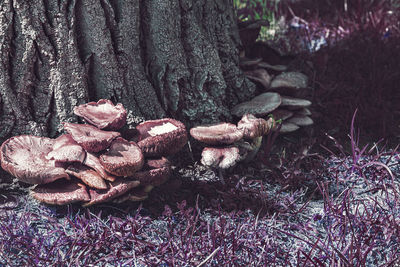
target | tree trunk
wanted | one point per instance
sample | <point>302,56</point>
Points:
<point>158,58</point>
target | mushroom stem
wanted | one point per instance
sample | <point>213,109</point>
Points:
<point>148,188</point>
<point>221,175</point>
<point>252,148</point>
<point>255,144</point>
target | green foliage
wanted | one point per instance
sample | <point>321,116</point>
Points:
<point>256,9</point>
<point>259,10</point>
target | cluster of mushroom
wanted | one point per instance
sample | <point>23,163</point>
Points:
<point>283,98</point>
<point>92,163</point>
<point>228,144</point>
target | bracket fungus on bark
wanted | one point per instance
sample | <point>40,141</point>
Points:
<point>161,137</point>
<point>291,86</point>
<point>103,114</point>
<point>290,79</point>
<point>25,158</point>
<point>260,76</point>
<point>295,103</point>
<point>260,105</point>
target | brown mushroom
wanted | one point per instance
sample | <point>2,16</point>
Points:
<point>155,172</point>
<point>220,158</point>
<point>61,192</point>
<point>161,137</point>
<point>123,158</point>
<point>117,188</point>
<point>217,134</point>
<point>103,114</point>
<point>25,158</point>
<point>254,129</point>
<point>87,175</point>
<point>135,194</point>
<point>89,137</point>
<point>65,149</point>
<point>93,162</point>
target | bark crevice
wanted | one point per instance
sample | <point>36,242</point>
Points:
<point>158,58</point>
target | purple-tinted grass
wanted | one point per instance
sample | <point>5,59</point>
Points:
<point>301,208</point>
<point>350,219</point>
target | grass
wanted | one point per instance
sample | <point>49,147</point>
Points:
<point>348,218</point>
<point>328,199</point>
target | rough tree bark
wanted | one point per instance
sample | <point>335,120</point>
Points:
<point>158,58</point>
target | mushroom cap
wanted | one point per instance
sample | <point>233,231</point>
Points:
<point>89,137</point>
<point>222,158</point>
<point>301,120</point>
<point>135,194</point>
<point>93,162</point>
<point>65,149</point>
<point>25,158</point>
<point>217,134</point>
<point>303,111</point>
<point>123,158</point>
<point>282,114</point>
<point>161,137</point>
<point>290,79</point>
<point>272,67</point>
<point>103,114</point>
<point>117,188</point>
<point>288,127</point>
<point>61,192</point>
<point>259,106</point>
<point>87,175</point>
<point>260,76</point>
<point>154,172</point>
<point>253,127</point>
<point>293,102</point>
<point>249,62</point>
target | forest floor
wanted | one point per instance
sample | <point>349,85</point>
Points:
<point>330,195</point>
